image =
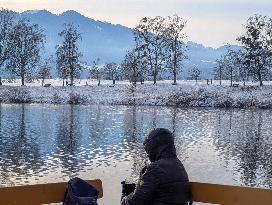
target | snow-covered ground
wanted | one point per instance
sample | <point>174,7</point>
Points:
<point>185,93</point>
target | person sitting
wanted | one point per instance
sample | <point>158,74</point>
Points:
<point>164,180</point>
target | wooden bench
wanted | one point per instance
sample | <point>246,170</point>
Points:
<point>202,192</point>
<point>230,195</point>
<point>40,193</point>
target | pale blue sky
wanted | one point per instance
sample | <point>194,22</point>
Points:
<point>211,22</point>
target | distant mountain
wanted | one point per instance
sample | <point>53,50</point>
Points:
<point>99,39</point>
<point>203,57</point>
<point>109,42</point>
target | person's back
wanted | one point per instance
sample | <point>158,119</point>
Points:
<point>165,180</point>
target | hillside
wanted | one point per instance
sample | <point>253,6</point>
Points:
<point>109,42</point>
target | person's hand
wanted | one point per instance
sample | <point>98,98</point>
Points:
<point>124,201</point>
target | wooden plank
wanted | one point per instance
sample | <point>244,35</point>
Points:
<point>202,192</point>
<point>39,194</point>
<point>230,195</point>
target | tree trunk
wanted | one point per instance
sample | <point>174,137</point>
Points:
<point>134,75</point>
<point>220,76</point>
<point>42,81</point>
<point>259,66</point>
<point>72,79</point>
<point>231,75</point>
<point>175,65</point>
<point>260,78</point>
<point>175,76</point>
<point>134,79</point>
<point>23,79</point>
<point>155,76</point>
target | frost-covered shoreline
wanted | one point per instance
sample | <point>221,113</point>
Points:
<point>162,94</point>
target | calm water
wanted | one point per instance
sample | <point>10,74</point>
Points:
<point>48,143</point>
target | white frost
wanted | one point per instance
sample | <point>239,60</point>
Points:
<point>184,94</point>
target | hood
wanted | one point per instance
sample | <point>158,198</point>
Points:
<point>160,144</point>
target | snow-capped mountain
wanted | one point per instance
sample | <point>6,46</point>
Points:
<point>109,42</point>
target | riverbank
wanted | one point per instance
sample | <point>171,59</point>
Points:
<point>163,94</point>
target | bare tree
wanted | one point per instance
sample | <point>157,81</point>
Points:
<point>268,31</point>
<point>45,69</point>
<point>95,71</point>
<point>256,45</point>
<point>6,24</point>
<point>61,65</point>
<point>241,68</point>
<point>195,73</point>
<point>150,40</point>
<point>133,66</point>
<point>229,66</point>
<point>27,41</point>
<point>232,65</point>
<point>175,44</point>
<point>218,70</point>
<point>110,69</point>
<point>68,54</point>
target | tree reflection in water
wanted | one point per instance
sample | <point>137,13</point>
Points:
<point>134,134</point>
<point>248,142</point>
<point>19,151</point>
<point>58,141</point>
<point>68,136</point>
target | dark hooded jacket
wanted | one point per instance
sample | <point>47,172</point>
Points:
<point>165,180</point>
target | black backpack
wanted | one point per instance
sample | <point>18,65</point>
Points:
<point>79,192</point>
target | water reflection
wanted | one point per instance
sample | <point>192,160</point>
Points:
<point>248,141</point>
<point>68,136</point>
<point>19,149</point>
<point>134,132</point>
<point>42,143</point>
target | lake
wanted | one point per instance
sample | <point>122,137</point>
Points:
<point>50,143</point>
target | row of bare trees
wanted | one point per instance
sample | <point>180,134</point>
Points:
<point>21,45</point>
<point>159,45</point>
<point>254,60</point>
<point>110,71</point>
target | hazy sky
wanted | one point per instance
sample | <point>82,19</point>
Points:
<point>211,22</point>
